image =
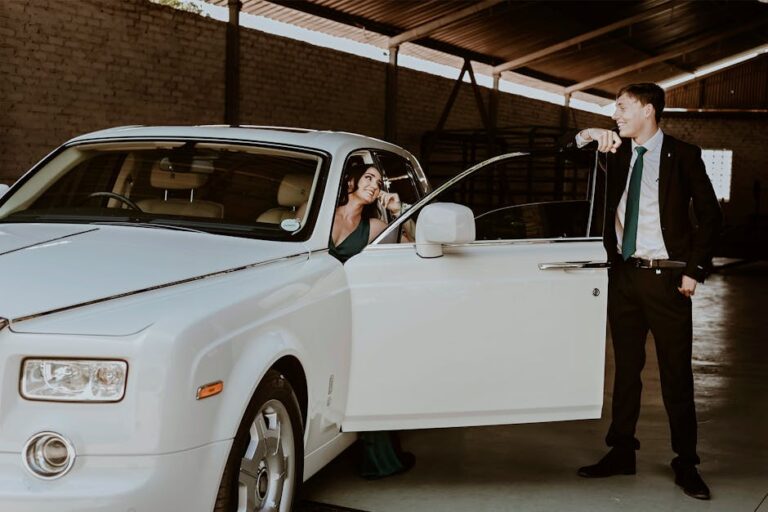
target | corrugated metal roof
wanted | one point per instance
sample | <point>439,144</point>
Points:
<point>514,29</point>
<point>743,87</point>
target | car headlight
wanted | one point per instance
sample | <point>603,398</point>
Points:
<point>73,380</point>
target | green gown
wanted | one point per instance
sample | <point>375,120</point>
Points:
<point>353,244</point>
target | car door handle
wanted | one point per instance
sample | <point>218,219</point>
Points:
<point>573,265</point>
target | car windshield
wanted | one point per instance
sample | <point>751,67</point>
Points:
<point>240,190</point>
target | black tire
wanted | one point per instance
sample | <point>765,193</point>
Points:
<point>273,389</point>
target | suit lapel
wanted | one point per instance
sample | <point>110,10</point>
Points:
<point>665,169</point>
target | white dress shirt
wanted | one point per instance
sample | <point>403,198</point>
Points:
<point>650,242</point>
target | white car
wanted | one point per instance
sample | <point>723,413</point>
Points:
<point>175,335</point>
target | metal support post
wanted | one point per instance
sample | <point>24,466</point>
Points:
<point>390,114</point>
<point>565,113</point>
<point>493,114</point>
<point>232,66</point>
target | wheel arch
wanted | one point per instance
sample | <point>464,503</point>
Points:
<point>291,368</point>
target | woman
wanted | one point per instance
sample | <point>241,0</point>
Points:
<point>355,225</point>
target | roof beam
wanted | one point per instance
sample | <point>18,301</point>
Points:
<point>663,57</point>
<point>544,52</point>
<point>381,28</point>
<point>714,67</point>
<point>430,27</point>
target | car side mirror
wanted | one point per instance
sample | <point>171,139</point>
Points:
<point>3,189</point>
<point>443,223</point>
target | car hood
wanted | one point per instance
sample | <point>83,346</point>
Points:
<point>46,267</point>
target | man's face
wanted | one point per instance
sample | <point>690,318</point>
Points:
<point>632,117</point>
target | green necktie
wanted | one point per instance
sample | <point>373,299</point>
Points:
<point>632,211</point>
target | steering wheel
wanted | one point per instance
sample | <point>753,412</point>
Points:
<point>119,197</point>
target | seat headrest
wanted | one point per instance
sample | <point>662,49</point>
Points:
<point>294,190</point>
<point>163,177</point>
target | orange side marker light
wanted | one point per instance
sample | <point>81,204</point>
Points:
<point>210,389</point>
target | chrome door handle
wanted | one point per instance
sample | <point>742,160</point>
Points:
<point>573,265</point>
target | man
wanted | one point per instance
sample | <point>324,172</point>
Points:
<point>657,257</point>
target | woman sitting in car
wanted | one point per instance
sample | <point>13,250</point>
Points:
<point>355,225</point>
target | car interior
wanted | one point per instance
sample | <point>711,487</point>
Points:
<point>217,183</point>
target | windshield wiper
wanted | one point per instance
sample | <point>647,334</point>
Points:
<point>156,225</point>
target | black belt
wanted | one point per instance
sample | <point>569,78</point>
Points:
<point>642,263</point>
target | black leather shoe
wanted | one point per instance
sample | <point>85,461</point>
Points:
<point>689,479</point>
<point>616,462</point>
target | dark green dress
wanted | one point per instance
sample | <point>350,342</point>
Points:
<point>353,244</point>
<point>380,457</point>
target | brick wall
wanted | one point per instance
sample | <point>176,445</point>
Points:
<point>748,139</point>
<point>82,65</point>
<point>77,66</point>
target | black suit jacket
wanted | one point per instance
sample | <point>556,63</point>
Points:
<point>683,182</point>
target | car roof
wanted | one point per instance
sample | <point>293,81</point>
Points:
<point>329,141</point>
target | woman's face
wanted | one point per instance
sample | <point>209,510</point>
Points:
<point>368,186</point>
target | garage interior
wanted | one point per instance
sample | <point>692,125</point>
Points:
<point>79,66</point>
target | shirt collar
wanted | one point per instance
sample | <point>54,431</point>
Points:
<point>652,143</point>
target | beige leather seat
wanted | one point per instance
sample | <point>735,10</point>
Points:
<point>169,180</point>
<point>292,196</point>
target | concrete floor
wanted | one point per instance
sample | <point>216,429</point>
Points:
<point>533,467</point>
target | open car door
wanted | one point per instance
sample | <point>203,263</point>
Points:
<point>507,328</point>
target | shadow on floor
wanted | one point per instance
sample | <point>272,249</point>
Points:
<point>313,506</point>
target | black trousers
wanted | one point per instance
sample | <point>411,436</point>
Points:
<point>638,300</point>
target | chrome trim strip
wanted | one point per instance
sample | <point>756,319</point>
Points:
<point>158,287</point>
<point>48,241</point>
<point>532,241</point>
<point>482,243</point>
<point>571,265</point>
<point>389,247</point>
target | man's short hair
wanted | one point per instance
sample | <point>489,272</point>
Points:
<point>646,93</point>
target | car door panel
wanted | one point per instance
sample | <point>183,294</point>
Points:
<point>480,336</point>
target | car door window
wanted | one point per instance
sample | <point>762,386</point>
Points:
<point>399,178</point>
<point>533,196</point>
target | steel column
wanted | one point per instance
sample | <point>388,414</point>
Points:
<point>390,113</point>
<point>232,66</point>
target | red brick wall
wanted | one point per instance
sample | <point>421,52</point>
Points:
<point>748,139</point>
<point>82,65</point>
<point>77,66</point>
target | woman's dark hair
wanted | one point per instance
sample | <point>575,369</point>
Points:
<point>353,172</point>
<point>646,93</point>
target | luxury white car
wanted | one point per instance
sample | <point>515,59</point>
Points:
<point>176,336</point>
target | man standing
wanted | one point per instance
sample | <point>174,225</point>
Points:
<point>657,257</point>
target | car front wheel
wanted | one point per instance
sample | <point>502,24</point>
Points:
<point>265,465</point>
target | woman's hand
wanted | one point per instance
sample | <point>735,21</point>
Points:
<point>391,202</point>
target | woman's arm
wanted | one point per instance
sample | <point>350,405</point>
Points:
<point>377,227</point>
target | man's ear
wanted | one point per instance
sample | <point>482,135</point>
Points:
<point>648,110</point>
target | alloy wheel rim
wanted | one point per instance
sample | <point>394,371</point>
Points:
<point>267,467</point>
